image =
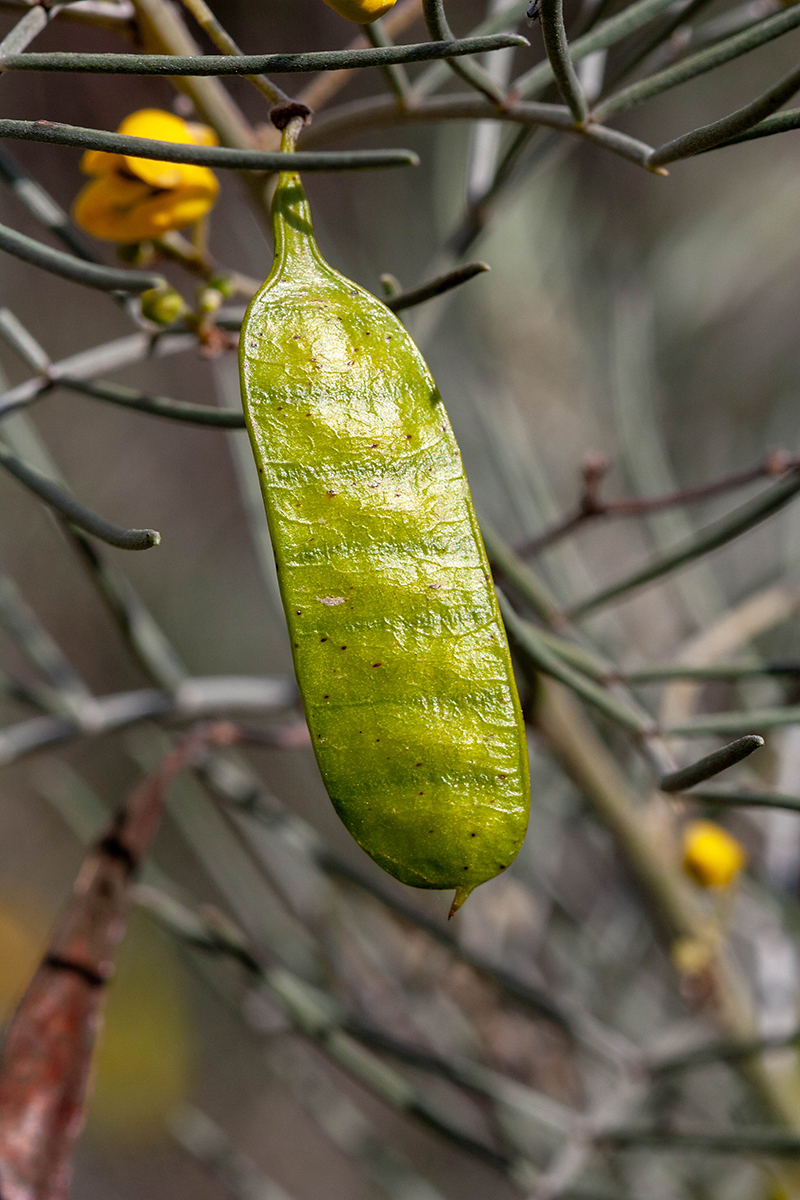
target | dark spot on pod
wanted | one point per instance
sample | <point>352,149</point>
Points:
<point>328,698</point>
<point>323,639</point>
<point>430,831</point>
<point>297,645</point>
<point>420,793</point>
<point>299,612</point>
<point>417,764</point>
<point>377,664</point>
<point>330,493</point>
<point>344,647</point>
<point>471,835</point>
<point>377,739</point>
<point>466,868</point>
<point>409,436</point>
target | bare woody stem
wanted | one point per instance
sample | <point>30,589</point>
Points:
<point>46,1056</point>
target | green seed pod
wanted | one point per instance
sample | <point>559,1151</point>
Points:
<point>398,645</point>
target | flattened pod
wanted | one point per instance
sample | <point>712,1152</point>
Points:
<point>399,650</point>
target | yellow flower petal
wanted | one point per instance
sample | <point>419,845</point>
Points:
<point>710,855</point>
<point>125,210</point>
<point>98,162</point>
<point>363,12</point>
<point>165,127</point>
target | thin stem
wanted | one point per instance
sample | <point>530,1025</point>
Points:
<point>739,1142</point>
<point>718,534</point>
<point>782,122</point>
<point>555,43</point>
<point>733,723</point>
<point>223,41</point>
<point>697,64</point>
<point>78,270</point>
<point>722,1050</point>
<point>207,156</point>
<point>667,672</point>
<point>525,639</point>
<point>712,764</point>
<point>447,47</point>
<point>42,206</point>
<point>470,72</point>
<point>592,505</point>
<point>381,112</point>
<point>744,798</point>
<point>708,137</point>
<point>436,287</point>
<point>73,510</point>
<point>156,406</point>
<point>658,38</point>
<point>393,73</point>
<point>25,30</point>
<point>604,35</point>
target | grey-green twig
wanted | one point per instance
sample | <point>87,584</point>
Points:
<point>75,512</point>
<point>555,43</point>
<point>436,287</point>
<point>207,156</point>
<point>470,72</point>
<point>156,406</point>
<point>708,137</point>
<point>699,63</point>
<point>252,64</point>
<point>711,538</point>
<point>77,270</point>
<point>712,764</point>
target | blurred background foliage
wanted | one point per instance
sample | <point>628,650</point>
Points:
<point>651,319</point>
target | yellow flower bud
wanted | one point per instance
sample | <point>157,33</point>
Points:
<point>710,855</point>
<point>134,199</point>
<point>363,12</point>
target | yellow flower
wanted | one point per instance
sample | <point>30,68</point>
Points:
<point>363,12</point>
<point>134,199</point>
<point>710,855</point>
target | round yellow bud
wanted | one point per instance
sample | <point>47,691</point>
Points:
<point>163,305</point>
<point>363,12</point>
<point>710,855</point>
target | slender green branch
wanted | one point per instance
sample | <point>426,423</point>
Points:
<point>25,30</point>
<point>744,798</point>
<point>608,33</point>
<point>723,671</point>
<point>712,764</point>
<point>205,156</point>
<point>436,287</point>
<point>393,73</point>
<point>555,43</point>
<point>156,406</point>
<point>718,534</point>
<point>525,638</point>
<point>732,723</point>
<point>510,568</point>
<point>722,1050</point>
<point>78,270</point>
<point>708,137</point>
<point>697,64</point>
<point>500,19</point>
<point>782,122</point>
<point>736,1141</point>
<point>73,510</point>
<point>252,64</point>
<point>379,112</point>
<point>223,41</point>
<point>470,72</point>
<point>41,205</point>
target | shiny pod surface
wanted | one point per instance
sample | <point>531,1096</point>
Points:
<point>398,646</point>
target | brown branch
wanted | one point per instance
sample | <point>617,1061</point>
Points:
<point>591,505</point>
<point>46,1057</point>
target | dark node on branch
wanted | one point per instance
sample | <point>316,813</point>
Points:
<point>282,114</point>
<point>56,963</point>
<point>112,847</point>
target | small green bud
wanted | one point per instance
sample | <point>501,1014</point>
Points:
<point>163,305</point>
<point>223,284</point>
